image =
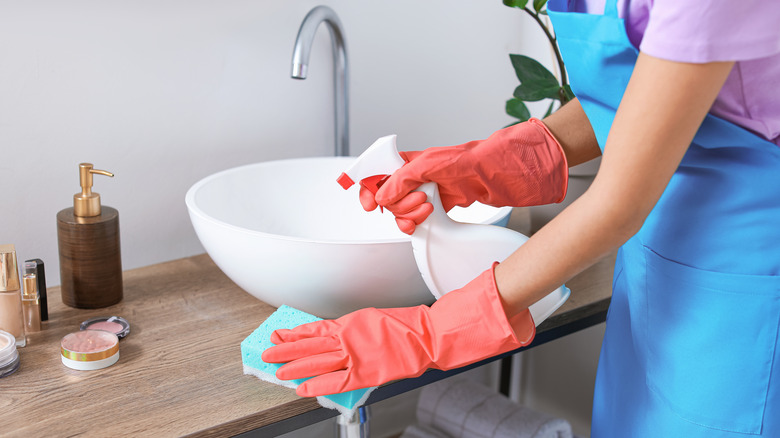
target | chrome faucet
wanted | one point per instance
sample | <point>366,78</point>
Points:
<point>300,63</point>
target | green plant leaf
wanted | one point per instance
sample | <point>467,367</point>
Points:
<point>534,91</point>
<point>531,73</point>
<point>550,109</point>
<point>516,3</point>
<point>529,68</point>
<point>516,108</point>
<point>567,91</point>
<point>536,82</point>
<point>539,4</point>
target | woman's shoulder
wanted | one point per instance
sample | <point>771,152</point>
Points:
<point>705,30</point>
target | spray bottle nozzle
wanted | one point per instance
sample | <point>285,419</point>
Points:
<point>371,183</point>
<point>345,181</point>
<point>374,165</point>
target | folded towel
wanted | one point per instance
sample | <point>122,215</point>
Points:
<point>461,408</point>
<point>253,346</point>
<point>417,431</point>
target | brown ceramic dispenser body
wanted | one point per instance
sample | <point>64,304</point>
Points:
<point>89,247</point>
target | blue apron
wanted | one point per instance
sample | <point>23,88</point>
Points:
<point>691,343</point>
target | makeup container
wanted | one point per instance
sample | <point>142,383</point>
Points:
<point>88,350</point>
<point>40,274</point>
<point>31,300</point>
<point>114,324</point>
<point>88,242</point>
<point>11,319</point>
<point>9,356</point>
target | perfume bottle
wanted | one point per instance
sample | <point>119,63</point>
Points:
<point>31,299</point>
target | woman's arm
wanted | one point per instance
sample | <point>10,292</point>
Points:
<point>570,126</point>
<point>663,106</point>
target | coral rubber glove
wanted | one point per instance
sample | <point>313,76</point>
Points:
<point>371,346</point>
<point>518,166</point>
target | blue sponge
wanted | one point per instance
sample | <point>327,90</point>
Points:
<point>253,346</point>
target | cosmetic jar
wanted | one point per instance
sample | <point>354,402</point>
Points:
<point>9,356</point>
<point>114,324</point>
<point>89,350</point>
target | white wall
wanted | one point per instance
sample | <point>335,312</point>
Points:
<point>163,93</point>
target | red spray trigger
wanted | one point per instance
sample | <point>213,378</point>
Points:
<point>373,183</point>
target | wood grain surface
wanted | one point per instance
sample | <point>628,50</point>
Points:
<point>180,370</point>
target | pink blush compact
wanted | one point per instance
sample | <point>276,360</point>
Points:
<point>89,350</point>
<point>114,324</point>
<point>113,327</point>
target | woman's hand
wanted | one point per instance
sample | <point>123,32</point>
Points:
<point>517,166</point>
<point>370,347</point>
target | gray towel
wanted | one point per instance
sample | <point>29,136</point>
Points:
<point>461,408</point>
<point>417,431</point>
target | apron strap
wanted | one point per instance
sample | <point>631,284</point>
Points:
<point>611,9</point>
<point>557,5</point>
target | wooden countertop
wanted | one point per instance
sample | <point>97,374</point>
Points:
<point>180,370</point>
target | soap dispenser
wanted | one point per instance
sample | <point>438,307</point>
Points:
<point>88,240</point>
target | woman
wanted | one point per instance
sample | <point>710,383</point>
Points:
<point>679,99</point>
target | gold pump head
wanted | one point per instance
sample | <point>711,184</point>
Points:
<point>9,275</point>
<point>87,203</point>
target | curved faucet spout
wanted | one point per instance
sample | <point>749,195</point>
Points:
<point>300,63</point>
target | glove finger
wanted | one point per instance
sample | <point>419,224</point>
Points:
<point>401,183</point>
<point>407,203</point>
<point>367,199</point>
<point>327,384</point>
<point>410,155</point>
<point>406,226</point>
<point>419,214</point>
<point>310,330</point>
<point>290,351</point>
<point>311,366</point>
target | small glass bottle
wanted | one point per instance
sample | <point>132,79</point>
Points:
<point>11,319</point>
<point>31,300</point>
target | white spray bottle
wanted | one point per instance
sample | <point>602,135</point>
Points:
<point>449,254</point>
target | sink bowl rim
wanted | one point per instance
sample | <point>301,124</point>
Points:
<point>194,209</point>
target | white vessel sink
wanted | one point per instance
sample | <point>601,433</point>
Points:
<point>287,233</point>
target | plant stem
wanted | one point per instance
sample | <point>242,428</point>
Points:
<point>553,42</point>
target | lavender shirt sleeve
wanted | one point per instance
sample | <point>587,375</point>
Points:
<point>712,30</point>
